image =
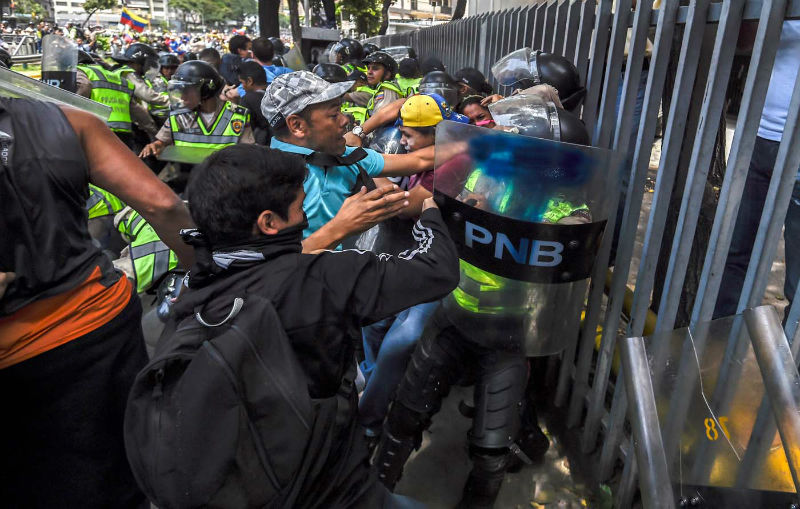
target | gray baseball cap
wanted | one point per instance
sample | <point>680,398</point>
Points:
<point>291,93</point>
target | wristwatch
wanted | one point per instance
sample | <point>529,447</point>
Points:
<point>359,131</point>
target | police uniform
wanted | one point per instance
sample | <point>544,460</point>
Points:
<point>113,90</point>
<point>385,93</point>
<point>159,85</point>
<point>150,257</point>
<point>410,86</point>
<point>449,347</point>
<point>229,125</point>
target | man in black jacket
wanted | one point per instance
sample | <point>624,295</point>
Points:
<point>247,202</point>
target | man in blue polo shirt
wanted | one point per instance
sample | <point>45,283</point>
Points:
<point>304,113</point>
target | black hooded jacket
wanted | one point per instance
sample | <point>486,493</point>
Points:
<point>323,300</point>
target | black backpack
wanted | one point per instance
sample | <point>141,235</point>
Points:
<point>221,416</point>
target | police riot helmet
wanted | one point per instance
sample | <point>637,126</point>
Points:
<point>370,48</point>
<point>189,55</point>
<point>439,82</point>
<point>85,58</point>
<point>332,73</point>
<point>387,141</point>
<point>524,68</point>
<point>168,60</point>
<point>348,49</point>
<point>278,46</point>
<point>5,59</point>
<point>530,115</point>
<point>200,74</point>
<point>409,68</point>
<point>383,58</point>
<point>139,53</point>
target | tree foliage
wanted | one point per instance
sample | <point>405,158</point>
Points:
<point>366,14</point>
<point>92,6</point>
<point>214,11</point>
<point>31,7</point>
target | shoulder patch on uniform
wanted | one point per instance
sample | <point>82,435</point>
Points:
<point>237,126</point>
<point>379,97</point>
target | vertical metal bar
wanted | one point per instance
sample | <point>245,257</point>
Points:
<point>571,30</point>
<point>538,34</point>
<point>557,43</point>
<point>568,357</point>
<point>549,26</point>
<point>604,130</point>
<point>632,209</point>
<point>654,478</point>
<point>483,30</point>
<point>769,231</point>
<point>587,19</point>
<point>753,98</point>
<point>598,61</point>
<point>779,372</point>
<point>530,19</point>
<point>627,484</point>
<point>641,162</point>
<point>615,431</point>
<point>720,68</point>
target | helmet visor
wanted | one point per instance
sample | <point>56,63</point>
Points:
<point>183,95</point>
<point>517,66</point>
<point>387,141</point>
<point>530,114</point>
<point>449,93</point>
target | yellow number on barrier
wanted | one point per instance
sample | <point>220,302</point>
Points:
<point>711,429</point>
<point>722,421</point>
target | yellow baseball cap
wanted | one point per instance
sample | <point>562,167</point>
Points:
<point>426,110</point>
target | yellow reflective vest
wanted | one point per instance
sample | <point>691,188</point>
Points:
<point>156,110</point>
<point>102,203</point>
<point>151,258</point>
<point>226,129</point>
<point>113,90</point>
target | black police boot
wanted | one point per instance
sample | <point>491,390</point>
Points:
<point>391,458</point>
<point>485,479</point>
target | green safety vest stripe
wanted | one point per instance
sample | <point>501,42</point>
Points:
<point>157,109</point>
<point>111,89</point>
<point>150,262</point>
<point>102,203</point>
<point>221,135</point>
<point>383,85</point>
<point>148,249</point>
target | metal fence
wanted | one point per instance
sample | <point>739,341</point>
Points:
<point>594,36</point>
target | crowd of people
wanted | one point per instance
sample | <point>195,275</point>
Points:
<point>292,370</point>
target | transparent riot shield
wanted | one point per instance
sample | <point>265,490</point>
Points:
<point>15,85</point>
<point>527,215</point>
<point>398,53</point>
<point>294,59</point>
<point>723,418</point>
<point>59,62</point>
<point>186,155</point>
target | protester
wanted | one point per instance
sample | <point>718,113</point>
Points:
<point>211,57</point>
<point>240,47</point>
<point>762,164</point>
<point>70,334</point>
<point>253,80</point>
<point>303,111</point>
<point>248,205</point>
<point>388,344</point>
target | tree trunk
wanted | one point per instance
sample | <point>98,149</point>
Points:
<point>268,13</point>
<point>83,25</point>
<point>385,16</point>
<point>460,9</point>
<point>294,19</point>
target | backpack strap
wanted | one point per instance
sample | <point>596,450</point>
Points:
<point>238,303</point>
<point>328,160</point>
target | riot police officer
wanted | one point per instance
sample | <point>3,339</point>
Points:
<point>136,61</point>
<point>198,118</point>
<point>478,327</point>
<point>167,65</point>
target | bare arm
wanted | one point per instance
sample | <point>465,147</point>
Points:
<point>115,168</point>
<point>359,212</point>
<point>399,165</point>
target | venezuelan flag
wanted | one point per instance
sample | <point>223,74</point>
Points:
<point>132,20</point>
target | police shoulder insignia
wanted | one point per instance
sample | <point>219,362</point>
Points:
<point>237,126</point>
<point>379,97</point>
